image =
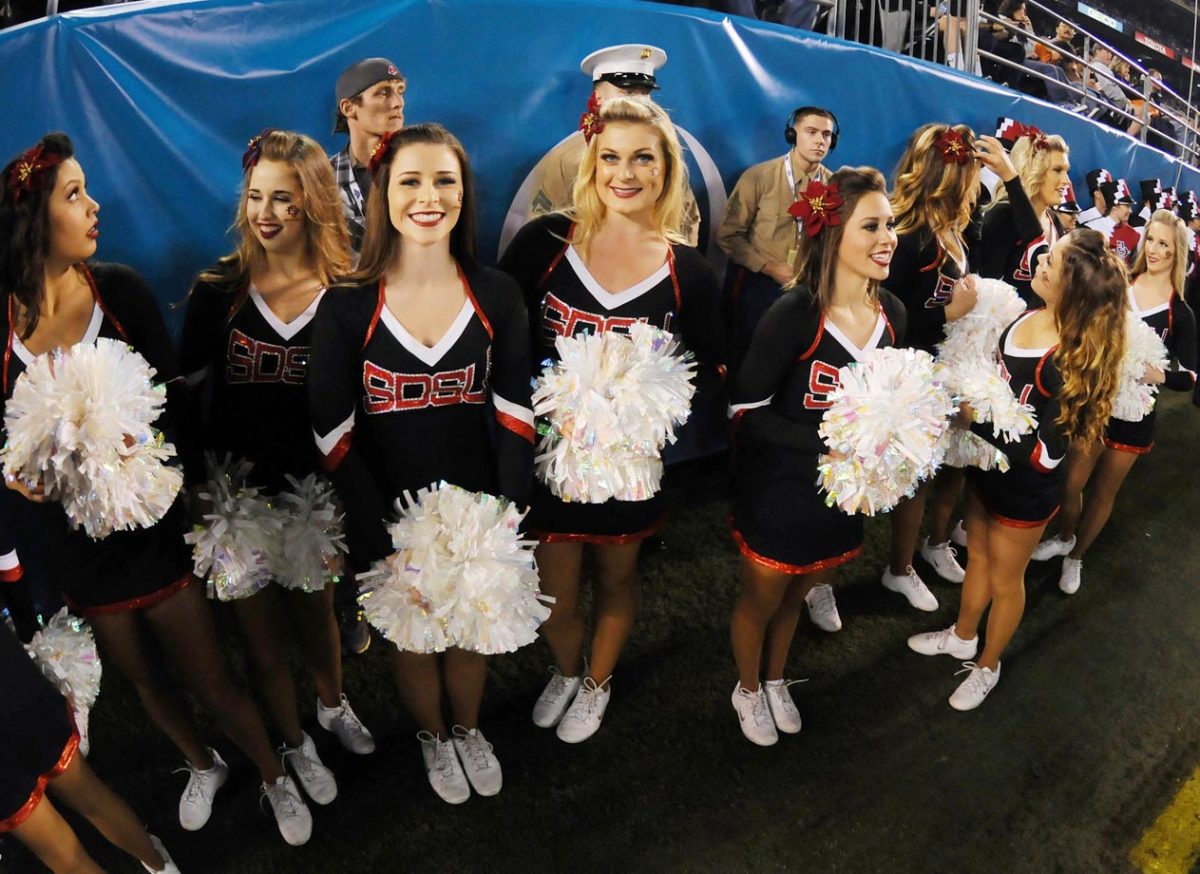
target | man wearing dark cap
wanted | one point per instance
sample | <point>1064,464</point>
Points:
<point>1095,180</point>
<point>1068,210</point>
<point>370,103</point>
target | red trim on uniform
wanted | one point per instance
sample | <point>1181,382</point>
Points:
<point>487,326</point>
<point>374,323</point>
<point>333,460</point>
<point>1171,313</point>
<point>518,427</point>
<point>782,567</point>
<point>1021,523</point>
<point>887,323</point>
<point>87,274</point>
<point>1035,458</point>
<point>1127,447</point>
<point>722,372</point>
<point>557,258</point>
<point>8,346</point>
<point>600,539</point>
<point>937,262</point>
<point>674,278</point>
<point>1037,374</point>
<point>815,343</point>
<point>139,603</point>
<point>35,797</point>
<point>11,575</point>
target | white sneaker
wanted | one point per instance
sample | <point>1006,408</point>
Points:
<point>1051,548</point>
<point>782,707</point>
<point>971,691</point>
<point>169,866</point>
<point>582,718</point>
<point>945,642</point>
<point>318,781</point>
<point>195,805</point>
<point>443,769</point>
<point>822,608</point>
<point>550,706</point>
<point>754,714</point>
<point>959,535</point>
<point>1069,581</point>
<point>912,587</point>
<point>943,558</point>
<point>346,726</point>
<point>478,761</point>
<point>291,813</point>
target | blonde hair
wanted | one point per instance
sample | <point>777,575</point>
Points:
<point>932,194</point>
<point>1179,234</point>
<point>1032,157</point>
<point>1090,317</point>
<point>588,211</point>
<point>327,242</point>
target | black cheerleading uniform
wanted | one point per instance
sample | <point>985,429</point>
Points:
<point>1012,240</point>
<point>1175,325</point>
<point>127,569</point>
<point>1029,493</point>
<point>247,370</point>
<point>392,415</point>
<point>38,739</point>
<point>564,299</point>
<point>780,519</point>
<point>923,275</point>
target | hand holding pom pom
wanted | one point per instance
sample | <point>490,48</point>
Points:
<point>1145,355</point>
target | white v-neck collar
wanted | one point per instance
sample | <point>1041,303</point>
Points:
<point>430,355</point>
<point>1140,313</point>
<point>608,299</point>
<point>89,336</point>
<point>286,330</point>
<point>859,354</point>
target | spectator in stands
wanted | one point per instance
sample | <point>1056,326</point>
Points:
<point>1010,42</point>
<point>1110,91</point>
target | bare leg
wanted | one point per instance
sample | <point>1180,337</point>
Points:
<point>419,682</point>
<point>782,627</point>
<point>52,840</point>
<point>465,674</point>
<point>262,622</point>
<point>1080,463</point>
<point>559,566</point>
<point>906,526</point>
<point>1110,473</point>
<point>1009,551</point>
<point>976,592</point>
<point>947,486</point>
<point>615,606</point>
<point>320,642</point>
<point>763,590</point>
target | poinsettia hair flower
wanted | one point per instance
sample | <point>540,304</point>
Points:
<point>28,172</point>
<point>590,122</point>
<point>253,151</point>
<point>954,147</point>
<point>817,207</point>
<point>380,151</point>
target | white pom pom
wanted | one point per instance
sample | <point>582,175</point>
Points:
<point>233,549</point>
<point>312,538</point>
<point>80,422</point>
<point>613,402</point>
<point>66,653</point>
<point>997,306</point>
<point>1143,348</point>
<point>888,415</point>
<point>962,448</point>
<point>461,576</point>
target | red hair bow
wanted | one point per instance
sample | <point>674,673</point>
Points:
<point>816,207</point>
<point>1038,139</point>
<point>590,122</point>
<point>953,147</point>
<point>28,172</point>
<point>254,150</point>
<point>380,151</point>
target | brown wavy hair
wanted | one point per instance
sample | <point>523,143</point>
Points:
<point>933,196</point>
<point>327,241</point>
<point>817,260</point>
<point>1178,232</point>
<point>1090,316</point>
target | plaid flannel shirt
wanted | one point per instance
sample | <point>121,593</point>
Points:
<point>352,198</point>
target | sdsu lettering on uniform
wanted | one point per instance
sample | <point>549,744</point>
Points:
<point>385,391</point>
<point>250,360</point>
<point>943,292</point>
<point>823,380</point>
<point>560,319</point>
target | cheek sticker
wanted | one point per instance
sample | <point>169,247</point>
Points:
<point>293,211</point>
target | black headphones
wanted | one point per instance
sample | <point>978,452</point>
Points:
<point>789,131</point>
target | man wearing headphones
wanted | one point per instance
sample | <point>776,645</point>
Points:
<point>758,234</point>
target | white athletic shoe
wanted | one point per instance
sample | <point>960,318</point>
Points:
<point>912,587</point>
<point>754,714</point>
<point>822,608</point>
<point>443,768</point>
<point>582,718</point>
<point>346,726</point>
<point>478,761</point>
<point>169,866</point>
<point>959,535</point>
<point>979,682</point>
<point>782,707</point>
<point>550,706</point>
<point>317,780</point>
<point>195,805</point>
<point>291,813</point>
<point>944,642</point>
<point>942,557</point>
<point>1069,581</point>
<point>1052,548</point>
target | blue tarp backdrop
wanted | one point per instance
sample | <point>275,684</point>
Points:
<point>161,99</point>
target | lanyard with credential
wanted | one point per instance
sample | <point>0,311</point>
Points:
<point>791,179</point>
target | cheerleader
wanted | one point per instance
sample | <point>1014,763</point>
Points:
<point>1064,361</point>
<point>616,258</point>
<point>1155,297</point>
<point>245,345</point>
<point>404,363</point>
<point>135,587</point>
<point>789,539</point>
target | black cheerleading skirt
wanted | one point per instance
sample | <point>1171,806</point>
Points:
<point>37,734</point>
<point>1021,497</point>
<point>128,570</point>
<point>780,519</point>
<point>1136,437</point>
<point>553,520</point>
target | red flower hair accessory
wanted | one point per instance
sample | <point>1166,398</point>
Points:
<point>816,207</point>
<point>590,122</point>
<point>254,150</point>
<point>1036,137</point>
<point>28,172</point>
<point>380,151</point>
<point>953,147</point>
